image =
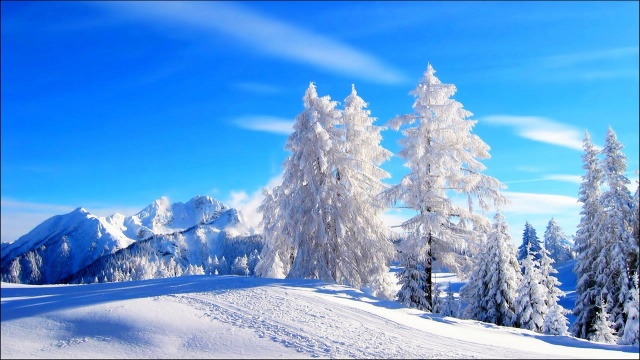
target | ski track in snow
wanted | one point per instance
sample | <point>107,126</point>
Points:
<point>295,322</point>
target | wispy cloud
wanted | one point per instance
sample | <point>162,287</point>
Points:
<point>546,204</point>
<point>257,88</point>
<point>270,124</point>
<point>574,179</point>
<point>540,129</point>
<point>577,59</point>
<point>265,34</point>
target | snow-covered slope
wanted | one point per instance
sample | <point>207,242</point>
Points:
<point>65,244</point>
<point>247,317</point>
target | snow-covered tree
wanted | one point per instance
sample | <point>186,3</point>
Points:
<point>442,155</point>
<point>324,221</point>
<point>614,233</point>
<point>631,334</point>
<point>634,259</point>
<point>412,283</point>
<point>473,293</point>
<point>504,274</point>
<point>529,241</point>
<point>240,266</point>
<point>586,247</point>
<point>278,252</point>
<point>496,278</point>
<point>602,329</point>
<point>359,230</point>
<point>530,303</point>
<point>449,304</point>
<point>555,321</point>
<point>555,241</point>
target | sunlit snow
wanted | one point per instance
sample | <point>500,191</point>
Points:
<point>203,316</point>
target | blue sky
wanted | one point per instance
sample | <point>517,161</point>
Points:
<point>111,105</point>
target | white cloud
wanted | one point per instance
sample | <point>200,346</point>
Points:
<point>265,34</point>
<point>248,204</point>
<point>271,124</point>
<point>540,129</point>
<point>548,204</point>
<point>574,179</point>
<point>538,209</point>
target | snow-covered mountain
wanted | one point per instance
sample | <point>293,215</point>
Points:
<point>65,244</point>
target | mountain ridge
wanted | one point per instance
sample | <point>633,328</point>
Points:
<point>79,238</point>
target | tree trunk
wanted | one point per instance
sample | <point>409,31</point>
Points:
<point>428,269</point>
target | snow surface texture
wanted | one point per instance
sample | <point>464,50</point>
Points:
<point>203,316</point>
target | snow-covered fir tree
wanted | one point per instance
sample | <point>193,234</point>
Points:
<point>449,304</point>
<point>412,281</point>
<point>474,292</point>
<point>240,266</point>
<point>614,234</point>
<point>278,252</point>
<point>555,241</point>
<point>555,321</point>
<point>631,334</point>
<point>634,260</point>
<point>363,249</point>
<point>496,278</point>
<point>323,221</point>
<point>530,303</point>
<point>585,245</point>
<point>442,155</point>
<point>530,241</point>
<point>300,237</point>
<point>602,329</point>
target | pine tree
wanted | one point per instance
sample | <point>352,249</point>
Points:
<point>240,266</point>
<point>555,242</point>
<point>529,241</point>
<point>614,234</point>
<point>631,334</point>
<point>366,250</point>
<point>602,329</point>
<point>530,304</point>
<point>496,277</point>
<point>474,292</point>
<point>450,305</point>
<point>504,274</point>
<point>278,252</point>
<point>442,155</point>
<point>634,258</point>
<point>586,247</point>
<point>555,321</point>
<point>411,280</point>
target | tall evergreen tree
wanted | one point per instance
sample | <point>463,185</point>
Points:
<point>602,329</point>
<point>499,278</point>
<point>555,321</point>
<point>442,155</point>
<point>363,248</point>
<point>530,304</point>
<point>411,280</point>
<point>631,335</point>
<point>614,234</point>
<point>555,243</point>
<point>531,242</point>
<point>324,220</point>
<point>450,305</point>
<point>586,247</point>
